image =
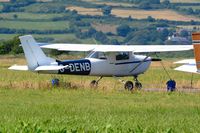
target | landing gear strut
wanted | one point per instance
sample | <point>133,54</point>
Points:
<point>94,83</point>
<point>138,85</point>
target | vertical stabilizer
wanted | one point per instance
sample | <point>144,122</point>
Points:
<point>196,44</point>
<point>35,57</point>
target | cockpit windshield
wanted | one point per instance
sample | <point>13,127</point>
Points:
<point>97,55</point>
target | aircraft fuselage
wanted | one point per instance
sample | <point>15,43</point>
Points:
<point>99,67</point>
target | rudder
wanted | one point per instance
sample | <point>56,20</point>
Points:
<point>33,53</point>
<point>196,45</point>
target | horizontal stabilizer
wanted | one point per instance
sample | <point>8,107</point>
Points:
<point>20,68</point>
<point>40,68</point>
<point>186,61</point>
<point>50,68</point>
<point>188,68</point>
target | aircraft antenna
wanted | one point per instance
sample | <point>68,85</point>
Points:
<point>191,83</point>
<point>95,41</point>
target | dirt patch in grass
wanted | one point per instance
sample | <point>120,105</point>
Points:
<point>85,11</point>
<point>139,14</point>
<point>4,0</point>
<point>105,27</point>
<point>158,14</point>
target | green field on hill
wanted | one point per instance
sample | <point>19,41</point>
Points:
<point>67,38</point>
<point>31,16</point>
<point>34,25</point>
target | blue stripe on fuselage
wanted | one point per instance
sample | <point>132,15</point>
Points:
<point>133,62</point>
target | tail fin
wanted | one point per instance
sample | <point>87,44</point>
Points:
<point>196,44</point>
<point>35,57</point>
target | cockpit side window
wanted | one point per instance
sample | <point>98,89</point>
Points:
<point>98,55</point>
<point>122,56</point>
<point>102,56</point>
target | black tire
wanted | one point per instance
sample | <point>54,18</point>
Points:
<point>129,85</point>
<point>138,85</point>
<point>93,84</point>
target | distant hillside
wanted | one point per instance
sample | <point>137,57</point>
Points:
<point>107,21</point>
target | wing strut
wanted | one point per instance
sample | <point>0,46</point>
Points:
<point>191,83</point>
<point>139,63</point>
<point>163,66</point>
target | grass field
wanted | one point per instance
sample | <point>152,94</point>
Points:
<point>37,7</point>
<point>158,14</point>
<point>7,36</point>
<point>34,16</point>
<point>34,25</point>
<point>85,11</point>
<point>105,27</point>
<point>4,0</point>
<point>110,3</point>
<point>139,14</point>
<point>115,4</point>
<point>67,38</point>
<point>28,103</point>
<point>98,111</point>
<point>1,6</point>
<point>193,7</point>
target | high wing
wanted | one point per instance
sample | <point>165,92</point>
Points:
<point>118,48</point>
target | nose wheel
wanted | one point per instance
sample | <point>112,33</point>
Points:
<point>94,83</point>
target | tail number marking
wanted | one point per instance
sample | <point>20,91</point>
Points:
<point>79,67</point>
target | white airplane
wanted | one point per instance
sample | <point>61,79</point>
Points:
<point>192,65</point>
<point>103,60</point>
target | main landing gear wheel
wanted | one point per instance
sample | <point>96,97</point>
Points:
<point>138,85</point>
<point>129,85</point>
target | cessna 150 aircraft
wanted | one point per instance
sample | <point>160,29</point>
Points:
<point>192,65</point>
<point>103,60</point>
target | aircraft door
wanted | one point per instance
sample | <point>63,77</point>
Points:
<point>121,63</point>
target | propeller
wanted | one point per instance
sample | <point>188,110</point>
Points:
<point>156,59</point>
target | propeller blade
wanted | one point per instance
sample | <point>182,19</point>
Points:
<point>156,59</point>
